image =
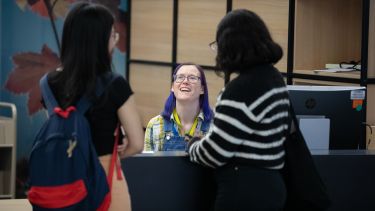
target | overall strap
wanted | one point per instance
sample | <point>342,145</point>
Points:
<point>168,127</point>
<point>49,99</point>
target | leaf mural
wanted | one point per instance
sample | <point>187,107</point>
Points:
<point>40,8</point>
<point>120,27</point>
<point>21,4</point>
<point>28,69</point>
<point>60,7</point>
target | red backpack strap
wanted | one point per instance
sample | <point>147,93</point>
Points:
<point>106,203</point>
<point>114,161</point>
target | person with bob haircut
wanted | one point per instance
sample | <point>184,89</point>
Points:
<point>186,112</point>
<point>88,40</point>
<point>245,142</point>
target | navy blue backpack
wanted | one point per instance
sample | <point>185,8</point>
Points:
<point>65,172</point>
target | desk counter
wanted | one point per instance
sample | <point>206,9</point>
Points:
<point>169,181</point>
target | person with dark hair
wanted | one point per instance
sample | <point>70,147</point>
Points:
<point>245,142</point>
<point>186,112</point>
<point>88,39</point>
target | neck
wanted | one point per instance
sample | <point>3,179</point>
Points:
<point>187,112</point>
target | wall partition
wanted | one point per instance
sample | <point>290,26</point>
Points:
<point>312,33</point>
<point>275,14</point>
<point>166,33</point>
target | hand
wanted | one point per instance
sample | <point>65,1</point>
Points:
<point>121,148</point>
<point>190,140</point>
<point>187,138</point>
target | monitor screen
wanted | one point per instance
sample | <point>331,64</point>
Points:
<point>341,105</point>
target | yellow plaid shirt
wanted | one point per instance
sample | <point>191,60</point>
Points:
<point>154,136</point>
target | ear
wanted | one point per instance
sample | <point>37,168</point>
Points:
<point>172,89</point>
<point>202,90</point>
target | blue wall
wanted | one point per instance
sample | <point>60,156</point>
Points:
<point>24,31</point>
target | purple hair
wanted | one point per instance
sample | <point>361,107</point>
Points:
<point>204,104</point>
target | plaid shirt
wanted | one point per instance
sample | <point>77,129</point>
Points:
<point>154,136</point>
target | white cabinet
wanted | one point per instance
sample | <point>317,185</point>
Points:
<point>8,117</point>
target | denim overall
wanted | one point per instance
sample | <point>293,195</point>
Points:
<point>173,141</point>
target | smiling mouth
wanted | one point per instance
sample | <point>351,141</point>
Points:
<point>184,89</point>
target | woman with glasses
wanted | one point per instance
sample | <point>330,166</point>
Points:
<point>245,142</point>
<point>186,113</point>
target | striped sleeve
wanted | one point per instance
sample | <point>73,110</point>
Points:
<point>250,133</point>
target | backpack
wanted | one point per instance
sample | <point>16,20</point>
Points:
<point>64,169</point>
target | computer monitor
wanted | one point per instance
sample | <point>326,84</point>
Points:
<point>342,105</point>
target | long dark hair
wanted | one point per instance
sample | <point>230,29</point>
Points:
<point>243,42</point>
<point>84,50</point>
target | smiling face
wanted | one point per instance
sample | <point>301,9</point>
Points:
<point>187,84</point>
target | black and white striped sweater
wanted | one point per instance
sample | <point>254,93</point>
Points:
<point>250,123</point>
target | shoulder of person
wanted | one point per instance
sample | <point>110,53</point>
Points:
<point>240,87</point>
<point>250,86</point>
<point>113,77</point>
<point>116,81</point>
<point>53,73</point>
<point>155,121</point>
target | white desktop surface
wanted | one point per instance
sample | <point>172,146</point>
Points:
<point>15,204</point>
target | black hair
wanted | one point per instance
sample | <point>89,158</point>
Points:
<point>84,50</point>
<point>243,42</point>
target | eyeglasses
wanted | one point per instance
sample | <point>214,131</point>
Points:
<point>213,45</point>
<point>190,78</point>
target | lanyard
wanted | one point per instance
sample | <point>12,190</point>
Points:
<point>177,119</point>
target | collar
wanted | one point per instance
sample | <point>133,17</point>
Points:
<point>200,116</point>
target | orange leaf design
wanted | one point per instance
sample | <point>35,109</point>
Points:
<point>60,9</point>
<point>25,76</point>
<point>40,8</point>
<point>21,4</point>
